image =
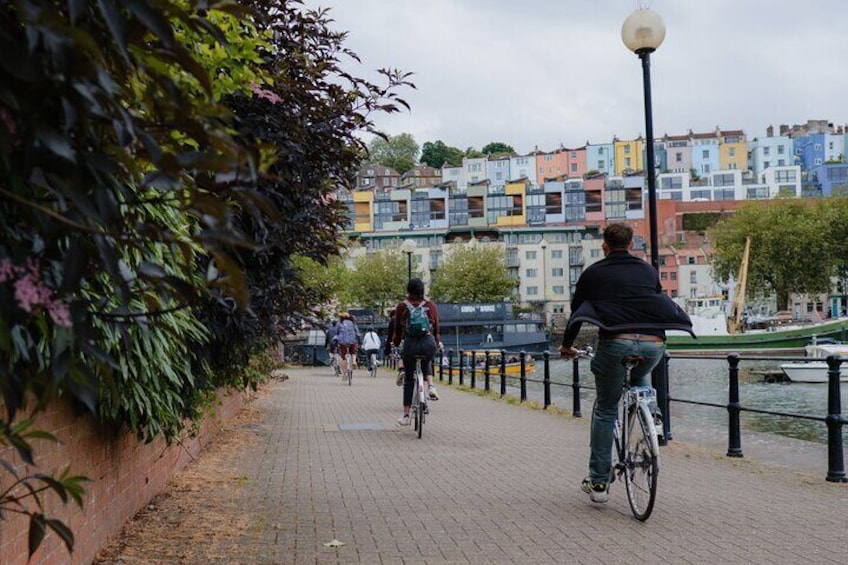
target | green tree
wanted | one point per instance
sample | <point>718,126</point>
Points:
<point>473,153</point>
<point>436,154</point>
<point>835,211</point>
<point>472,273</point>
<point>787,250</point>
<point>400,152</point>
<point>497,149</point>
<point>325,283</point>
<point>378,280</point>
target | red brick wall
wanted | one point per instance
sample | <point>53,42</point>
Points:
<point>124,476</point>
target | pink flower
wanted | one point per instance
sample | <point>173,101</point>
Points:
<point>31,293</point>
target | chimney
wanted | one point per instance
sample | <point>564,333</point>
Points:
<point>770,131</point>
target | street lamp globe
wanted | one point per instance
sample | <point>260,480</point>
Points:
<point>643,31</point>
<point>408,246</point>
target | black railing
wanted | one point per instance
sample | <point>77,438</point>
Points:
<point>834,420</point>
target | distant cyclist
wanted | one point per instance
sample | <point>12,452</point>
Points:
<point>371,344</point>
<point>332,344</point>
<point>348,337</point>
<point>417,325</point>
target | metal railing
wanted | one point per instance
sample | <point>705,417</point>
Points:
<point>467,365</point>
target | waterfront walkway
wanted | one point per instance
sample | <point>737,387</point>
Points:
<point>313,462</point>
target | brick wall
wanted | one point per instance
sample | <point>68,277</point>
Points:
<point>124,476</point>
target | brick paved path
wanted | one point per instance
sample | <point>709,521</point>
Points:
<point>490,482</point>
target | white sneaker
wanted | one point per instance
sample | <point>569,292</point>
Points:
<point>400,378</point>
<point>404,420</point>
<point>432,392</point>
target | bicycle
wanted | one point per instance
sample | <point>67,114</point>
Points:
<point>349,368</point>
<point>373,361</point>
<point>637,447</point>
<point>420,401</point>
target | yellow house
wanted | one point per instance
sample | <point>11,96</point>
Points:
<point>509,208</point>
<point>733,150</point>
<point>363,207</point>
<point>628,156</point>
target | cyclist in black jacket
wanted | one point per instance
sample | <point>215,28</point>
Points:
<point>622,295</point>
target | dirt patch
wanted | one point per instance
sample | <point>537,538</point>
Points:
<point>194,520</point>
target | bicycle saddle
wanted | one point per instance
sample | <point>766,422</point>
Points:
<point>633,360</point>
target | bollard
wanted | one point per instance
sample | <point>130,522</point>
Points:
<point>575,388</point>
<point>547,378</point>
<point>834,420</point>
<point>503,373</point>
<point>659,376</point>
<point>450,366</point>
<point>473,370</point>
<point>523,357</point>
<point>461,366</point>
<point>487,372</point>
<point>441,365</point>
<point>734,447</point>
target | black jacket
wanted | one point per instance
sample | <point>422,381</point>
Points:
<point>622,294</point>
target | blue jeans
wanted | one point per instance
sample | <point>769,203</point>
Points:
<point>609,380</point>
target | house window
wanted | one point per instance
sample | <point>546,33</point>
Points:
<point>673,276</point>
<point>573,167</point>
<point>766,150</point>
<point>627,150</point>
<point>532,291</point>
<point>780,149</point>
<point>693,277</point>
<point>627,162</point>
<point>766,164</point>
<point>556,254</point>
<point>531,273</point>
<point>530,255</point>
<point>558,272</point>
<point>691,260</point>
<point>600,164</point>
<point>558,289</point>
<point>732,151</point>
<point>594,253</point>
<point>705,154</point>
<point>663,276</point>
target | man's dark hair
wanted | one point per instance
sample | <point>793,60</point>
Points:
<point>415,288</point>
<point>618,236</point>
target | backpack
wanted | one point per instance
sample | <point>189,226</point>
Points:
<point>417,322</point>
<point>347,333</point>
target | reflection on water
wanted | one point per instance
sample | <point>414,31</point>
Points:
<point>706,380</point>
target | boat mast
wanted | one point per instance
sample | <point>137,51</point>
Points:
<point>737,307</point>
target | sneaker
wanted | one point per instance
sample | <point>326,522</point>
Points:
<point>598,492</point>
<point>404,420</point>
<point>658,424</point>
<point>433,394</point>
<point>426,408</point>
<point>401,376</point>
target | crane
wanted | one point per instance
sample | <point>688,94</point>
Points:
<point>737,306</point>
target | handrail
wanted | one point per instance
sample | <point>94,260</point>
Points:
<point>834,420</point>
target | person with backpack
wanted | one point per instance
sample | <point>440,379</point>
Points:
<point>417,325</point>
<point>348,337</point>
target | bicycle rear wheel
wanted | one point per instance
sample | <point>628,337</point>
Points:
<point>349,368</point>
<point>641,465</point>
<point>373,365</point>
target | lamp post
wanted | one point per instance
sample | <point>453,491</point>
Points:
<point>643,32</point>
<point>408,246</point>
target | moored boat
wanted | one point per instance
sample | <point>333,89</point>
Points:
<point>511,367</point>
<point>813,372</point>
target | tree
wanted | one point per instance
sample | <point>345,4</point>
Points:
<point>788,254</point>
<point>497,149</point>
<point>473,153</point>
<point>399,152</point>
<point>436,154</point>
<point>378,280</point>
<point>472,273</point>
<point>835,212</point>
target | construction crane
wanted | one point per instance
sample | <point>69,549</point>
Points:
<point>737,306</point>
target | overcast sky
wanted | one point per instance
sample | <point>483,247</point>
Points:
<point>550,72</point>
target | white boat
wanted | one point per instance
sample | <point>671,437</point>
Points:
<point>813,372</point>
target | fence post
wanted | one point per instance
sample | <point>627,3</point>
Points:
<point>488,372</point>
<point>461,366</point>
<point>575,388</point>
<point>547,378</point>
<point>450,366</point>
<point>523,358</point>
<point>734,447</point>
<point>503,373</point>
<point>835,461</point>
<point>473,370</point>
<point>659,376</point>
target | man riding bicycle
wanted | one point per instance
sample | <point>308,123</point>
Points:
<point>348,338</point>
<point>371,344</point>
<point>622,295</point>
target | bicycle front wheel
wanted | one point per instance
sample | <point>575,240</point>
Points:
<point>641,465</point>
